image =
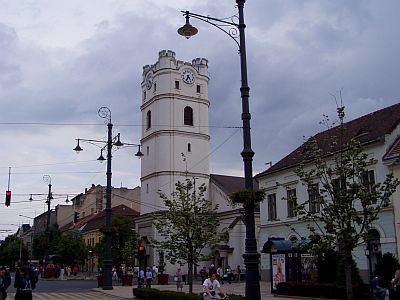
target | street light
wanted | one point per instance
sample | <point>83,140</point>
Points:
<point>47,179</point>
<point>251,256</point>
<point>105,113</point>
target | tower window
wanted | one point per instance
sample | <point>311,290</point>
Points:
<point>147,150</point>
<point>177,84</point>
<point>148,119</point>
<point>144,95</point>
<point>155,86</point>
<point>147,188</point>
<point>189,148</point>
<point>198,88</point>
<point>188,116</point>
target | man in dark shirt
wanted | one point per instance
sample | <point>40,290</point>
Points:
<point>377,289</point>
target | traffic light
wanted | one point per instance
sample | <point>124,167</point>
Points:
<point>76,217</point>
<point>8,198</point>
<point>141,252</point>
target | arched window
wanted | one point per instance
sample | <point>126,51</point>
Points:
<point>148,119</point>
<point>188,116</point>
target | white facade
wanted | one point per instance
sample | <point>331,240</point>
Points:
<point>176,146</point>
<point>279,181</point>
<point>175,135</point>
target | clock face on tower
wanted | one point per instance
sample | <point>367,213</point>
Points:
<point>149,80</point>
<point>188,76</point>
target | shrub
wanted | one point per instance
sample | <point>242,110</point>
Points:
<point>322,290</point>
<point>387,266</point>
<point>153,294</point>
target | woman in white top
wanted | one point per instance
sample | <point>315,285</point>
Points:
<point>210,287</point>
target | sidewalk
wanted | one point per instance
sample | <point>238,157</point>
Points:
<point>125,292</point>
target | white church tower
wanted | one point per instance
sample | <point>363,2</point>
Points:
<point>175,136</point>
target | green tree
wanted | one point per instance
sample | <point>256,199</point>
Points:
<point>39,242</point>
<point>387,266</point>
<point>344,206</point>
<point>11,249</point>
<point>71,248</point>
<point>124,240</point>
<point>188,226</point>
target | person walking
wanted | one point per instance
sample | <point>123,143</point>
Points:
<point>149,278</point>
<point>141,278</point>
<point>25,283</point>
<point>377,288</point>
<point>395,284</point>
<point>5,281</point>
<point>75,270</point>
<point>220,275</point>
<point>203,274</point>
<point>238,271</point>
<point>178,280</point>
<point>229,274</point>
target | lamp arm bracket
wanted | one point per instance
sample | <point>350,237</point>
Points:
<point>232,31</point>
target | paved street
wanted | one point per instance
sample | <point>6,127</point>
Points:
<point>87,289</point>
<point>71,295</point>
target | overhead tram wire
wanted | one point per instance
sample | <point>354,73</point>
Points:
<point>100,124</point>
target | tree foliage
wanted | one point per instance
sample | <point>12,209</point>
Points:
<point>10,250</point>
<point>188,226</point>
<point>345,203</point>
<point>124,240</point>
<point>71,248</point>
<point>39,242</point>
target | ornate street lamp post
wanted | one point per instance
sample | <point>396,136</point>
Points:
<point>251,256</point>
<point>105,113</point>
<point>47,179</point>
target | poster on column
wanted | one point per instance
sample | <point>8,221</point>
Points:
<point>278,270</point>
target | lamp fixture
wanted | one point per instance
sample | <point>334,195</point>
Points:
<point>78,148</point>
<point>101,157</point>
<point>187,30</point>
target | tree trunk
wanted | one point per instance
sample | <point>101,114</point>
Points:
<point>190,276</point>
<point>347,272</point>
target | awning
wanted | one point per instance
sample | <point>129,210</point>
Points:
<point>284,246</point>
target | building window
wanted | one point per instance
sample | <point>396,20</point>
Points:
<point>189,148</point>
<point>313,198</point>
<point>291,203</point>
<point>154,86</point>
<point>147,188</point>
<point>368,180</point>
<point>271,207</point>
<point>147,151</point>
<point>188,116</point>
<point>144,95</point>
<point>177,84</point>
<point>148,120</point>
<point>198,88</point>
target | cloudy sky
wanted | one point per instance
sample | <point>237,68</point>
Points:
<point>61,60</point>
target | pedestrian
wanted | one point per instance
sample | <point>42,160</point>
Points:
<point>5,279</point>
<point>229,273</point>
<point>220,275</point>
<point>210,287</point>
<point>395,291</point>
<point>212,269</point>
<point>62,272</point>
<point>25,282</point>
<point>203,274</point>
<point>238,271</point>
<point>75,270</point>
<point>377,288</point>
<point>178,280</point>
<point>141,278</point>
<point>154,270</point>
<point>149,278</point>
<point>114,274</point>
<point>68,270</point>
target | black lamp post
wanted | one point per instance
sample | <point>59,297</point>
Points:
<point>235,30</point>
<point>47,179</point>
<point>105,113</point>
